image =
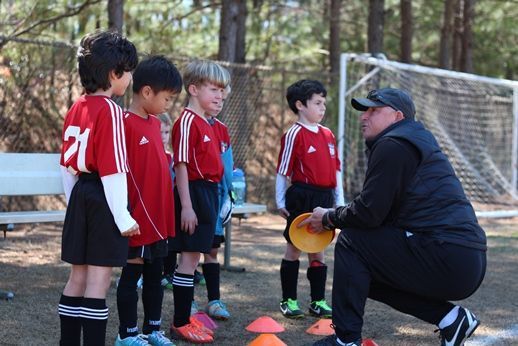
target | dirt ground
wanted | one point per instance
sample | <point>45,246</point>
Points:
<point>30,266</point>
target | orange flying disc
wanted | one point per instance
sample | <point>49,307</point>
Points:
<point>305,239</point>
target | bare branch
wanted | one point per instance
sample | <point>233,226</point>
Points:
<point>74,11</point>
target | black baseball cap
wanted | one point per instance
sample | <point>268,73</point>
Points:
<point>395,98</point>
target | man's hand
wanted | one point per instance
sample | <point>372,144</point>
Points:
<point>284,212</point>
<point>134,230</point>
<point>189,220</point>
<point>315,220</point>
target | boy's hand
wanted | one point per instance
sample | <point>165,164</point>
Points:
<point>134,230</point>
<point>284,212</point>
<point>189,221</point>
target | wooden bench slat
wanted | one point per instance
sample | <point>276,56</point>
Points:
<point>32,216</point>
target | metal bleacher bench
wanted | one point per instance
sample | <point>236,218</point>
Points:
<point>29,175</point>
<point>39,174</point>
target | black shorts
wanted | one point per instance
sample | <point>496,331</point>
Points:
<point>90,235</point>
<point>149,252</point>
<point>205,202</point>
<point>303,198</point>
<point>218,240</point>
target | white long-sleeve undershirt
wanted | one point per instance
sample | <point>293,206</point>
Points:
<point>116,192</point>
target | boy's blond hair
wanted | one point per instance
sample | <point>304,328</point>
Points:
<point>198,72</point>
<point>165,119</point>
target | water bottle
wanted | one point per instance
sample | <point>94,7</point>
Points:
<point>239,184</point>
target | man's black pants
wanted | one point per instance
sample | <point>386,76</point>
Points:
<point>412,273</point>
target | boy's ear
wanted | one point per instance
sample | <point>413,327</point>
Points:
<point>146,91</point>
<point>299,105</point>
<point>112,75</point>
<point>193,90</point>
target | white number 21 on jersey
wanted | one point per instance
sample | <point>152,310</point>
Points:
<point>79,146</point>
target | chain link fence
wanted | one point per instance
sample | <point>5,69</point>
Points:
<point>39,82</point>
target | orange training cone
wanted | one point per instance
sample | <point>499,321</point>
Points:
<point>368,342</point>
<point>265,324</point>
<point>267,340</point>
<point>321,327</point>
<point>205,319</point>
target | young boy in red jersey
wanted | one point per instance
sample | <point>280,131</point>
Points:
<point>198,169</point>
<point>309,160</point>
<point>155,82</point>
<point>93,165</point>
<point>211,267</point>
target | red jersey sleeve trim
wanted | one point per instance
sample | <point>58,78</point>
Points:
<point>119,139</point>
<point>288,149</point>
<point>185,128</point>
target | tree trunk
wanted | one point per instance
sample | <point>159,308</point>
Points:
<point>457,36</point>
<point>375,30</point>
<point>406,31</point>
<point>334,36</point>
<point>467,37</point>
<point>446,35</point>
<point>241,33</point>
<point>228,30</point>
<point>115,15</point>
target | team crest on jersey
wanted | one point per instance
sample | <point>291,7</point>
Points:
<point>224,146</point>
<point>331,149</point>
<point>206,139</point>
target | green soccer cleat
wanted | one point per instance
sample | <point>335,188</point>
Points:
<point>290,308</point>
<point>167,282</point>
<point>320,308</point>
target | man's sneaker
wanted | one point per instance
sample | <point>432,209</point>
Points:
<point>167,282</point>
<point>331,341</point>
<point>461,329</point>
<point>138,340</point>
<point>199,278</point>
<point>290,308</point>
<point>320,308</point>
<point>194,307</point>
<point>201,326</point>
<point>218,310</point>
<point>191,333</point>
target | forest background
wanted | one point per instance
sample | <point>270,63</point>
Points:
<point>266,44</point>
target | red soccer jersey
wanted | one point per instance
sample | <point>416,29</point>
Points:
<point>221,132</point>
<point>309,157</point>
<point>195,144</point>
<point>150,189</point>
<point>93,137</point>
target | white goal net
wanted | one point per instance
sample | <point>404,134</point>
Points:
<point>474,119</point>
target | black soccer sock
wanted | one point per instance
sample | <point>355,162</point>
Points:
<point>170,263</point>
<point>211,272</point>
<point>127,299</point>
<point>183,293</point>
<point>152,296</point>
<point>317,277</point>
<point>289,278</point>
<point>69,316</point>
<point>94,317</point>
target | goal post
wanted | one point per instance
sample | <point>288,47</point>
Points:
<point>474,118</point>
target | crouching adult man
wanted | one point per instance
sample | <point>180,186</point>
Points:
<point>410,239</point>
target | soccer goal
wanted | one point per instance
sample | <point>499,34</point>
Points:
<point>474,119</point>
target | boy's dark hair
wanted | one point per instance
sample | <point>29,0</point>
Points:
<point>100,53</point>
<point>159,73</point>
<point>302,91</point>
